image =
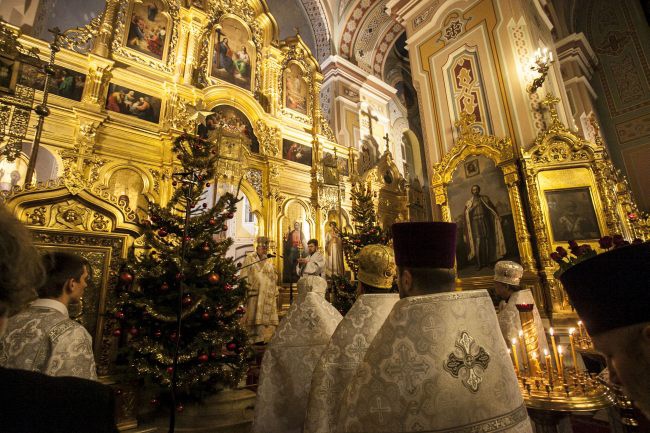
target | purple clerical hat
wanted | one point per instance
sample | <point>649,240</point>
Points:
<point>611,290</point>
<point>424,244</point>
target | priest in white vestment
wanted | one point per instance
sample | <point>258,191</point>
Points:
<point>289,362</point>
<point>507,276</point>
<point>261,316</point>
<point>311,269</point>
<point>439,362</point>
<point>352,337</point>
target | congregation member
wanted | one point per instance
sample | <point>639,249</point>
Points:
<point>611,294</point>
<point>290,359</point>
<point>352,337</point>
<point>507,278</point>
<point>311,269</point>
<point>261,316</point>
<point>43,337</point>
<point>439,362</point>
<point>31,402</point>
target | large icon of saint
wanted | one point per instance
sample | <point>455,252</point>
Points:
<point>294,243</point>
<point>484,231</point>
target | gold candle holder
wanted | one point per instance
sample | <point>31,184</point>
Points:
<point>573,348</point>
<point>530,337</point>
<point>514,354</point>
<point>554,346</point>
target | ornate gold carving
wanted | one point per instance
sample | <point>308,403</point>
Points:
<point>37,216</point>
<point>254,177</point>
<point>268,137</point>
<point>80,164</point>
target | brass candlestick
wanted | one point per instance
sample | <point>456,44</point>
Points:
<point>530,337</point>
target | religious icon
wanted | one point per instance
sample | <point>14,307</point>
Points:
<point>472,168</point>
<point>65,82</point>
<point>572,215</point>
<point>295,243</point>
<point>296,152</point>
<point>296,90</point>
<point>333,250</point>
<point>480,206</point>
<point>133,103</point>
<point>232,54</point>
<point>229,119</point>
<point>148,28</point>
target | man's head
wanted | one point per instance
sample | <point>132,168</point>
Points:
<point>66,277</point>
<point>376,269</point>
<point>611,294</point>
<point>425,255</point>
<point>312,246</point>
<point>20,266</point>
<point>507,276</point>
<point>296,225</point>
<point>262,246</point>
<point>476,190</point>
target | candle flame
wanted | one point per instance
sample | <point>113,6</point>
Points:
<point>514,341</point>
<point>572,330</point>
<point>559,350</point>
<point>579,322</point>
<point>521,333</point>
<point>534,355</point>
<point>550,330</point>
<point>545,352</point>
<point>509,351</point>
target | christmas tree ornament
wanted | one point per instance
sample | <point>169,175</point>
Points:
<point>126,277</point>
<point>212,222</point>
<point>119,315</point>
<point>164,286</point>
<point>154,402</point>
<point>224,227</point>
<point>180,408</point>
<point>173,336</point>
<point>231,346</point>
<point>133,331</point>
<point>117,332</point>
<point>187,300</point>
<point>241,309</point>
<point>203,357</point>
<point>162,233</point>
<point>213,278</point>
<point>205,205</point>
<point>157,333</point>
<point>205,315</point>
<point>170,370</point>
<point>206,247</point>
<point>180,276</point>
<point>230,215</point>
<point>207,184</point>
<point>228,287</point>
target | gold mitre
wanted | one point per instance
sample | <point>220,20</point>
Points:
<point>262,241</point>
<point>377,266</point>
<point>508,272</point>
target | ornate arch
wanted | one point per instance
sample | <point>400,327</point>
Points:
<point>320,25</point>
<point>501,152</point>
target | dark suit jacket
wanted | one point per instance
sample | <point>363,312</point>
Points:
<point>35,403</point>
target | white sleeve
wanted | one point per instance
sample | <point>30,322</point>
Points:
<point>72,355</point>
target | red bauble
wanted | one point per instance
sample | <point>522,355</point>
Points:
<point>174,183</point>
<point>214,354</point>
<point>206,247</point>
<point>164,286</point>
<point>157,333</point>
<point>203,358</point>
<point>205,316</point>
<point>213,278</point>
<point>224,227</point>
<point>231,346</point>
<point>205,205</point>
<point>173,336</point>
<point>228,287</point>
<point>119,315</point>
<point>207,184</point>
<point>133,331</point>
<point>154,402</point>
<point>180,276</point>
<point>212,222</point>
<point>180,408</point>
<point>230,215</point>
<point>187,238</point>
<point>170,370</point>
<point>162,233</point>
<point>126,277</point>
<point>117,332</point>
<point>187,300</point>
<point>241,309</point>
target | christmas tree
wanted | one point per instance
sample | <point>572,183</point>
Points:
<point>366,232</point>
<point>180,301</point>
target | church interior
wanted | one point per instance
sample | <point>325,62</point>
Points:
<point>325,120</point>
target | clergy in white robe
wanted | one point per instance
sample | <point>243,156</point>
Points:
<point>352,337</point>
<point>288,364</point>
<point>43,338</point>
<point>261,316</point>
<point>507,276</point>
<point>311,270</point>
<point>438,363</point>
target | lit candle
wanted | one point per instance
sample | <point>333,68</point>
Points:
<point>555,357</point>
<point>560,366</point>
<point>573,349</point>
<point>535,369</point>
<point>522,343</point>
<point>514,355</point>
<point>549,366</point>
<point>580,331</point>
